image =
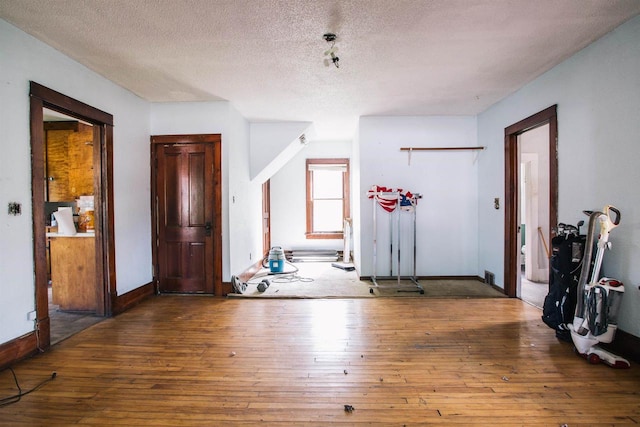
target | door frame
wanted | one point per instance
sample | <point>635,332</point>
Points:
<point>43,97</point>
<point>216,141</point>
<point>266,217</point>
<point>512,183</point>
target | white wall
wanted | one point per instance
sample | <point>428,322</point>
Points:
<point>273,144</point>
<point>288,198</point>
<point>356,208</point>
<point>241,198</point>
<point>25,59</point>
<point>447,222</point>
<point>598,97</point>
<point>245,199</point>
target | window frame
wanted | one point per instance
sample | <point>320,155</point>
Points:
<point>346,199</point>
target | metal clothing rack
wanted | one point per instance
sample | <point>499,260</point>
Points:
<point>397,211</point>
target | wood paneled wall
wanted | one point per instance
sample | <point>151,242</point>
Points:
<point>69,160</point>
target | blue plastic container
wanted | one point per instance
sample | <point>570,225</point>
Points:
<point>276,265</point>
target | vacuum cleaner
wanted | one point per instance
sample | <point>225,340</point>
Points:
<point>596,316</point>
<point>276,259</point>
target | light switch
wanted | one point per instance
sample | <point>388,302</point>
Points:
<point>15,208</point>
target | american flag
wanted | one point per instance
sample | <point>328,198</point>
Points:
<point>388,197</point>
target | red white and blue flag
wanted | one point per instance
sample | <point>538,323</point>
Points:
<point>388,198</point>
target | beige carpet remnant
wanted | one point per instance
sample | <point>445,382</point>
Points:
<point>322,280</point>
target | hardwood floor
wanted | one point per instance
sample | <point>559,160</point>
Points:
<point>178,360</point>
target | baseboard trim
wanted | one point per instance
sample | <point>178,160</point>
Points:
<point>496,287</point>
<point>478,278</point>
<point>227,288</point>
<point>132,298</point>
<point>626,345</point>
<point>18,349</point>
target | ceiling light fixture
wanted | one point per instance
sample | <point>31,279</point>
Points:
<point>331,52</point>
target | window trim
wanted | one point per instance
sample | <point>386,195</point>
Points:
<point>346,199</point>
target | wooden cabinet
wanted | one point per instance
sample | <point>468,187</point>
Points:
<point>69,150</point>
<point>73,267</point>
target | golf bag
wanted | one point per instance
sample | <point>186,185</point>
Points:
<point>566,259</point>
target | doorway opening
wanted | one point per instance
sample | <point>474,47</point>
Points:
<point>531,203</point>
<point>76,162</point>
<point>266,217</point>
<point>69,176</point>
<point>534,229</point>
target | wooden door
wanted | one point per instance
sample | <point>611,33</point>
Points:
<point>187,216</point>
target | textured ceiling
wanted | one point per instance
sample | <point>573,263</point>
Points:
<point>402,57</point>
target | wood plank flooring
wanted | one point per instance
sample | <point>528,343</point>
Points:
<point>179,360</point>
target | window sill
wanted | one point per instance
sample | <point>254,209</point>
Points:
<point>334,236</point>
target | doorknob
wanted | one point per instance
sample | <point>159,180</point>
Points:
<point>207,228</point>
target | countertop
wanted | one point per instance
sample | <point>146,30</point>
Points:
<point>83,234</point>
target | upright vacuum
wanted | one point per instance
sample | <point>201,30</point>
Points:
<point>598,299</point>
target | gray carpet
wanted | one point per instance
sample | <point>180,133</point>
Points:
<point>450,288</point>
<point>65,324</point>
<point>321,280</point>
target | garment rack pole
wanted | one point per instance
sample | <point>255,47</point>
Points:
<point>399,236</point>
<point>397,213</point>
<point>391,245</point>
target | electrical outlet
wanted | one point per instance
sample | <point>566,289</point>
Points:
<point>496,203</point>
<point>31,315</point>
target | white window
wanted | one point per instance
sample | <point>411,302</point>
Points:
<point>327,197</point>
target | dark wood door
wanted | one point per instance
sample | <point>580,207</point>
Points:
<point>187,222</point>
